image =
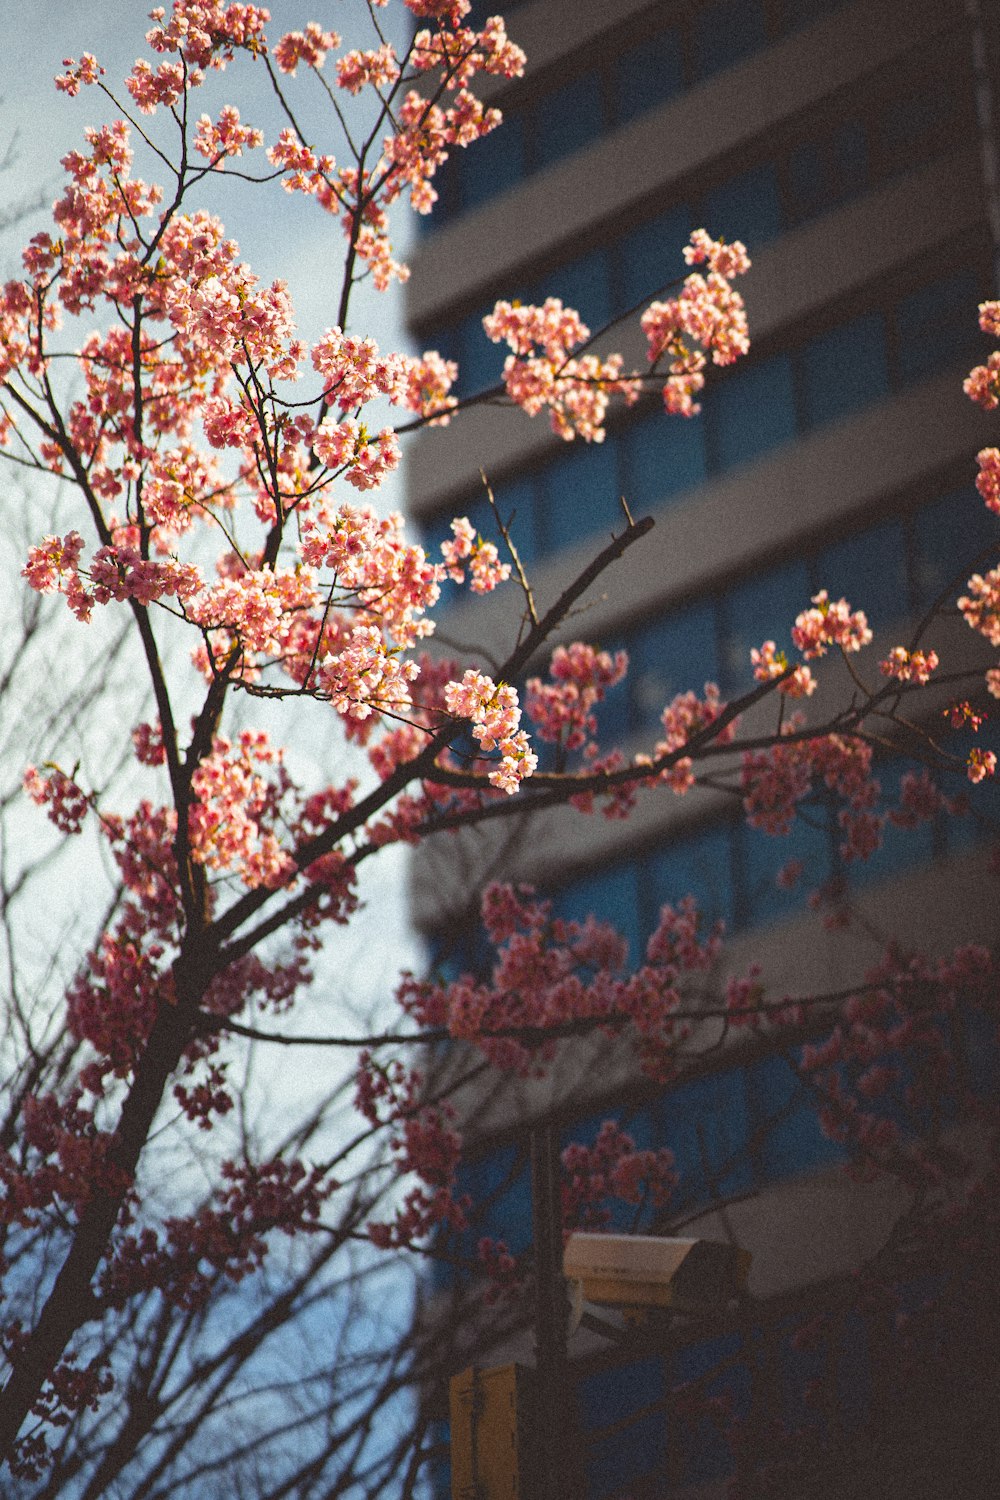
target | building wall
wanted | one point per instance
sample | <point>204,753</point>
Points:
<point>851,147</point>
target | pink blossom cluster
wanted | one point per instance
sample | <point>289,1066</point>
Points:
<point>234,821</point>
<point>348,448</point>
<point>354,372</point>
<point>461,53</point>
<point>768,663</point>
<point>777,779</point>
<point>541,373</point>
<point>309,47</point>
<point>115,573</point>
<point>706,311</point>
<point>830,623</point>
<point>377,68</point>
<point>988,478</point>
<point>613,1168</point>
<point>374,567</point>
<point>486,570</point>
<point>65,802</point>
<point>227,1237</point>
<point>562,710</point>
<point>227,136</point>
<point>909,666</point>
<point>982,764</point>
<point>982,385</point>
<point>981,605</point>
<point>684,718</point>
<point>495,714</point>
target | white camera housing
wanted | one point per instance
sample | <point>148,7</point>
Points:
<point>643,1270</point>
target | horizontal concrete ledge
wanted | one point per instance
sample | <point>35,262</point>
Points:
<point>464,260</point>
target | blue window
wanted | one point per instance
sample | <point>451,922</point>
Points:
<point>664,456</point>
<point>706,1127</point>
<point>761,608</point>
<point>844,370</point>
<point>480,361</point>
<point>725,32</point>
<point>949,535</point>
<point>869,571</point>
<point>700,866</point>
<point>827,170</point>
<point>612,1396</point>
<point>901,848</point>
<point>614,723</point>
<point>804,12</point>
<point>647,75</point>
<point>786,1135</point>
<point>936,326</point>
<point>751,412</point>
<point>981,1051</point>
<point>517,503</point>
<point>583,284</point>
<point>747,207</point>
<point>611,895</point>
<point>500,1188</point>
<point>494,164</point>
<point>705,1452</point>
<point>568,118</point>
<point>671,655</point>
<point>581,492</point>
<point>649,256</point>
<point>763,856</point>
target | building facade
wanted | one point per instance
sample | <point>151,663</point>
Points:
<point>853,148</point>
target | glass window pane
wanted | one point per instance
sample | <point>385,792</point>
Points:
<point>581,494</point>
<point>517,502</point>
<point>613,713</point>
<point>611,895</point>
<point>583,284</point>
<point>649,256</point>
<point>494,164</point>
<point>480,362</point>
<point>705,1125</point>
<point>725,32</point>
<point>747,207</point>
<point>670,655</point>
<point>783,1118</point>
<point>844,370</point>
<point>702,1450</point>
<point>701,866</point>
<point>664,456</point>
<point>500,1188</point>
<point>647,75</point>
<point>763,857</point>
<point>901,848</point>
<point>567,119</point>
<point>751,412</point>
<point>637,1450</point>
<point>936,326</point>
<point>827,170</point>
<point>869,571</point>
<point>949,535</point>
<point>760,609</point>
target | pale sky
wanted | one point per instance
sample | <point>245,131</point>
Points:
<point>279,235</point>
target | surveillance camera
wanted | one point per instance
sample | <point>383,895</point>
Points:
<point>635,1270</point>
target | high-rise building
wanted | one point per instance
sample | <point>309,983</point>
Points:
<point>854,148</point>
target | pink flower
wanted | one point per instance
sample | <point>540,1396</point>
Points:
<point>909,666</point>
<point>982,764</point>
<point>830,624</point>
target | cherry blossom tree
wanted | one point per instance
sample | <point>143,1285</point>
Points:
<point>208,457</point>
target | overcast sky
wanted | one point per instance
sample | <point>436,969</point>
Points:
<point>279,234</point>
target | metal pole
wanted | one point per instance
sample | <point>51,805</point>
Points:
<point>552,1445</point>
